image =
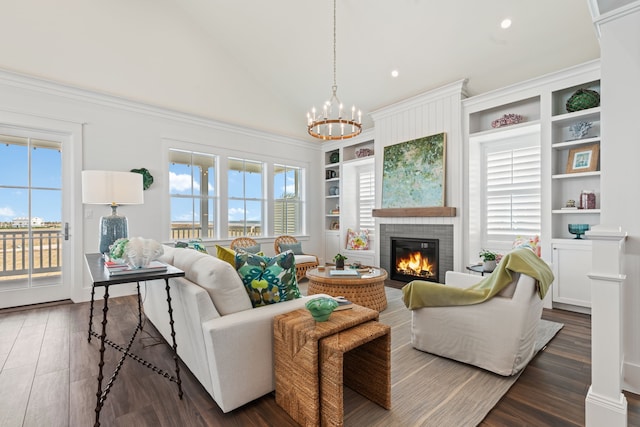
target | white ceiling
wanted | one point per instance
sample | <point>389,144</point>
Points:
<point>264,64</point>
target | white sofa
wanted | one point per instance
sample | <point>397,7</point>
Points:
<point>498,335</point>
<point>227,344</point>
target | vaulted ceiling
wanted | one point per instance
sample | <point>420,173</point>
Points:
<point>263,65</point>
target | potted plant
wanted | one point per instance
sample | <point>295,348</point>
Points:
<point>488,260</point>
<point>339,259</point>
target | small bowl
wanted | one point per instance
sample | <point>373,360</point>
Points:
<point>578,229</point>
<point>321,308</point>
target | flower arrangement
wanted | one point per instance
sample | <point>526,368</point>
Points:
<point>487,255</point>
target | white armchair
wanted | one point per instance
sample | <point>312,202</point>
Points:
<point>498,335</point>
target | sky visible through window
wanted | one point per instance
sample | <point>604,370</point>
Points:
<point>46,182</point>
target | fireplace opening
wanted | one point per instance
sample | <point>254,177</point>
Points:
<point>413,259</point>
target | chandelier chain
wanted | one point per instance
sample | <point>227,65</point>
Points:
<point>332,122</point>
<point>335,84</point>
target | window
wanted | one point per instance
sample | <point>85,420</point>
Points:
<point>512,189</point>
<point>246,198</point>
<point>366,197</point>
<point>192,189</point>
<point>288,202</point>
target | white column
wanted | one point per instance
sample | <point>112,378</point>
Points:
<point>605,404</point>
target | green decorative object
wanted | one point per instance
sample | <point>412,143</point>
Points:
<point>118,249</point>
<point>321,308</point>
<point>583,99</point>
<point>147,178</point>
<point>334,157</point>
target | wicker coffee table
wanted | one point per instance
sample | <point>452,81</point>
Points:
<point>313,358</point>
<point>366,289</point>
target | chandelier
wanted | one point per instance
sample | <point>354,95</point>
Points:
<point>333,122</point>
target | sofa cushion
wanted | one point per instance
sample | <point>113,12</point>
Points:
<point>167,256</point>
<point>226,254</point>
<point>296,248</point>
<point>217,277</point>
<point>229,255</point>
<point>252,249</point>
<point>268,280</point>
<point>195,244</point>
<point>303,259</point>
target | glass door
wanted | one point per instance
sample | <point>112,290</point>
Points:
<point>32,226</point>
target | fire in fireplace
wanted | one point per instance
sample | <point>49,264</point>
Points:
<point>414,259</point>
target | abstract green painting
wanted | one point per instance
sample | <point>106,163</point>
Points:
<point>413,173</point>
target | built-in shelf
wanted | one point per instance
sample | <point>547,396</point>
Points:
<point>415,212</point>
<point>575,175</point>
<point>575,211</point>
<point>574,143</point>
<point>589,114</point>
<point>504,128</point>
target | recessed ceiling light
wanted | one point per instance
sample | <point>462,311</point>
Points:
<point>394,73</point>
<point>506,23</point>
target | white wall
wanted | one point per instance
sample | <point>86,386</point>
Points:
<point>427,114</point>
<point>148,51</point>
<point>121,135</point>
<point>620,151</point>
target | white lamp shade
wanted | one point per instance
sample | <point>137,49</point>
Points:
<point>110,187</point>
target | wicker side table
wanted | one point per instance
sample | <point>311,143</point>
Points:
<point>296,346</point>
<point>362,356</point>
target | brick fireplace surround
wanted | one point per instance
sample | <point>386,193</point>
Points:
<point>442,232</point>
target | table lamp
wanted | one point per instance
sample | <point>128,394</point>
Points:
<point>111,188</point>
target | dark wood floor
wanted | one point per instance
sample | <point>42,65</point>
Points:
<point>48,378</point>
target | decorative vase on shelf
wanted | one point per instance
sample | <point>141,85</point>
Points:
<point>583,99</point>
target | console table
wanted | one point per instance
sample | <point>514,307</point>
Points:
<point>100,277</point>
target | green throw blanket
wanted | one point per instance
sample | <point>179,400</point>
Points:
<point>419,293</point>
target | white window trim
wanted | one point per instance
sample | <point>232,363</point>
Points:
<point>223,154</point>
<point>477,195</point>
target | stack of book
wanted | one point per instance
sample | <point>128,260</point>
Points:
<point>118,269</point>
<point>345,272</point>
<point>343,303</point>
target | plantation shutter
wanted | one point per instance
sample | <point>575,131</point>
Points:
<point>366,197</point>
<point>512,192</point>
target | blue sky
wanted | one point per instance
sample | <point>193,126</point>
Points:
<point>252,188</point>
<point>46,181</point>
<point>180,179</point>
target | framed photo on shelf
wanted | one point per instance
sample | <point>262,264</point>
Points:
<point>583,159</point>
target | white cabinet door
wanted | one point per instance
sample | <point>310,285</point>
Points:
<point>571,263</point>
<point>331,246</point>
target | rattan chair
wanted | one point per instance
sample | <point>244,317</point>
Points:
<point>304,262</point>
<point>242,242</point>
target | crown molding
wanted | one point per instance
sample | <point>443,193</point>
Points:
<point>531,87</point>
<point>49,87</point>
<point>599,19</point>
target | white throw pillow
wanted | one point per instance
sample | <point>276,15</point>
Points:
<point>222,282</point>
<point>217,277</point>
